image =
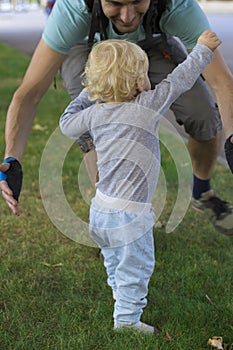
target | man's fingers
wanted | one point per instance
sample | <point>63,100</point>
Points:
<point>5,188</point>
<point>14,209</point>
<point>7,194</point>
<point>4,167</point>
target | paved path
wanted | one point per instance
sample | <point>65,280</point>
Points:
<point>22,30</point>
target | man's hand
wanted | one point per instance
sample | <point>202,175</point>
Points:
<point>209,39</point>
<point>11,177</point>
<point>229,151</point>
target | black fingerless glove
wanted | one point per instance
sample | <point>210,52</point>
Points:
<point>13,176</point>
<point>229,152</point>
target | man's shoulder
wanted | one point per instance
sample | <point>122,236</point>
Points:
<point>74,6</point>
<point>173,5</point>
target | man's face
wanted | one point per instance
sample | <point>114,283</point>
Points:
<point>125,14</point>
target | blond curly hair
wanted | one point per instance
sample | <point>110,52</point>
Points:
<point>113,70</point>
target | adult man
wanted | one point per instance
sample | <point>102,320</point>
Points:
<point>66,33</point>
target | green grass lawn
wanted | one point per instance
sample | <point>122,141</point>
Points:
<point>53,292</point>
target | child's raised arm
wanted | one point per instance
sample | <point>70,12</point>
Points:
<point>184,76</point>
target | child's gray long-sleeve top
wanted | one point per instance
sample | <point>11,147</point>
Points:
<point>126,134</point>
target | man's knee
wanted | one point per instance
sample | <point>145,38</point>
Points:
<point>198,112</point>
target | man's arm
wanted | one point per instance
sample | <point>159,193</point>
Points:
<point>220,79</point>
<point>39,76</point>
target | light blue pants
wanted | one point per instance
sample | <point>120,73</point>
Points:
<point>129,266</point>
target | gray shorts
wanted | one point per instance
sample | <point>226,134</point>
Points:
<point>196,109</point>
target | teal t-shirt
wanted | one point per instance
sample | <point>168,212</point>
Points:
<point>69,24</point>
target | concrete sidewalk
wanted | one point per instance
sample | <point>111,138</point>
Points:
<point>216,6</point>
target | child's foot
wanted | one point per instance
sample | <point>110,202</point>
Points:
<point>139,326</point>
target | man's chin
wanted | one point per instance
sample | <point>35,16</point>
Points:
<point>123,29</point>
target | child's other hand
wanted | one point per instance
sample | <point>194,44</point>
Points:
<point>209,39</point>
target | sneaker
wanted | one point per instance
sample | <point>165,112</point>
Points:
<point>139,326</point>
<point>219,212</point>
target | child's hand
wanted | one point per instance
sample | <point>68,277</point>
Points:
<point>209,39</point>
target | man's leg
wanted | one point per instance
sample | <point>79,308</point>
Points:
<point>203,155</point>
<point>90,160</point>
<point>219,212</point>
